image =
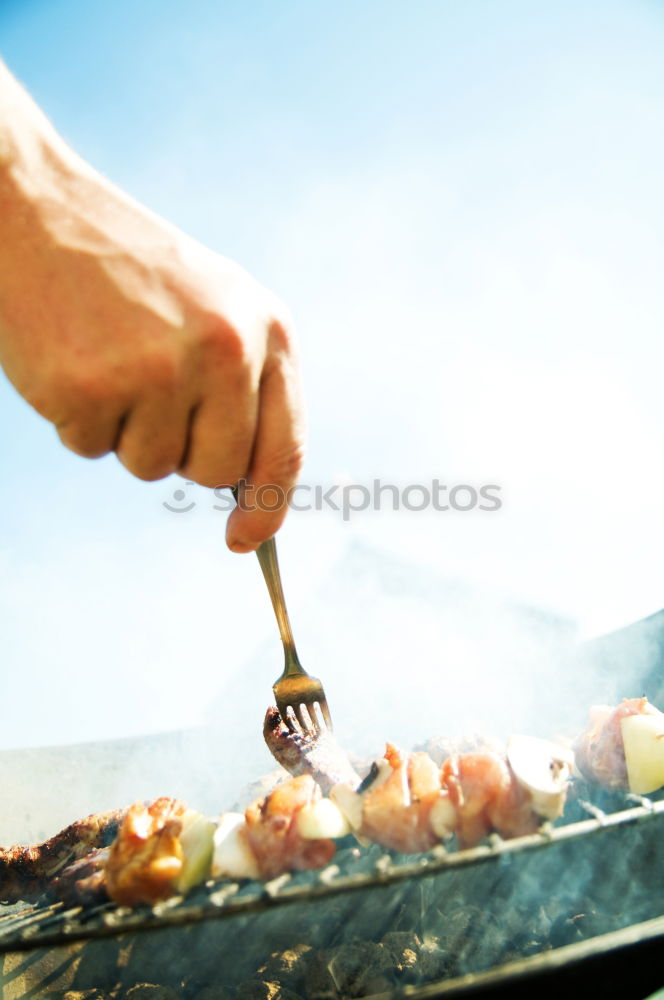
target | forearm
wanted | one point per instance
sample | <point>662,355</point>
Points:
<point>60,222</point>
<point>33,168</point>
<point>46,189</point>
<point>29,145</point>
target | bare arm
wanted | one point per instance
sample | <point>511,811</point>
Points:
<point>129,336</point>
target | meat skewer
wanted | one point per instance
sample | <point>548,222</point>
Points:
<point>161,849</point>
<point>164,848</point>
<point>409,804</point>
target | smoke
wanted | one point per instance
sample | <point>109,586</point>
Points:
<point>405,653</point>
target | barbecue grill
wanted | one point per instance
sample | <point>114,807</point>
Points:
<point>578,906</point>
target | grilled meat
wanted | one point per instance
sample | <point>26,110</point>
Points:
<point>319,755</point>
<point>25,872</point>
<point>487,796</point>
<point>272,830</point>
<point>146,856</point>
<point>83,882</point>
<point>407,802</point>
<point>599,751</point>
<point>397,804</point>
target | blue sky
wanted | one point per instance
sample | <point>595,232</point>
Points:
<point>461,202</point>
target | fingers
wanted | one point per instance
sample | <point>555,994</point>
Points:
<point>221,407</point>
<point>221,437</point>
<point>94,435</point>
<point>277,458</point>
<point>154,435</point>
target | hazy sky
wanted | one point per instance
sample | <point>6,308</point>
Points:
<point>462,204</point>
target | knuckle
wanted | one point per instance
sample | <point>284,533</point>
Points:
<point>161,370</point>
<point>222,343</point>
<point>281,333</point>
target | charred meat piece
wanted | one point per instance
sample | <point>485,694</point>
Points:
<point>162,849</point>
<point>83,882</point>
<point>146,856</point>
<point>25,872</point>
<point>318,755</point>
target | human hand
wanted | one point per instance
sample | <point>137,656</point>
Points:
<point>131,337</point>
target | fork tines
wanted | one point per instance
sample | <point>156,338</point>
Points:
<point>302,699</point>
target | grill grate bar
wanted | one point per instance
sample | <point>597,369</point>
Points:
<point>22,921</point>
<point>52,926</point>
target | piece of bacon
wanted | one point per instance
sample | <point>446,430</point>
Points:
<point>271,830</point>
<point>599,751</point>
<point>396,811</point>
<point>487,797</point>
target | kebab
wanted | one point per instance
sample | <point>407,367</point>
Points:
<point>405,802</point>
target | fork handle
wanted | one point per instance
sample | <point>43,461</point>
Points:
<point>267,557</point>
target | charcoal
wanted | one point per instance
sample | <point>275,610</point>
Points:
<point>76,995</point>
<point>456,927</point>
<point>255,989</point>
<point>433,962</point>
<point>577,928</point>
<point>318,981</point>
<point>356,969</point>
<point>403,948</point>
<point>150,991</point>
<point>287,967</point>
<point>84,995</point>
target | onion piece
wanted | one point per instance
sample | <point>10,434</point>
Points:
<point>350,803</point>
<point>196,841</point>
<point>643,740</point>
<point>232,855</point>
<point>321,820</point>
<point>443,817</point>
<point>543,769</point>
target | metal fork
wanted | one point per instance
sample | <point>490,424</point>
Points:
<point>295,689</point>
